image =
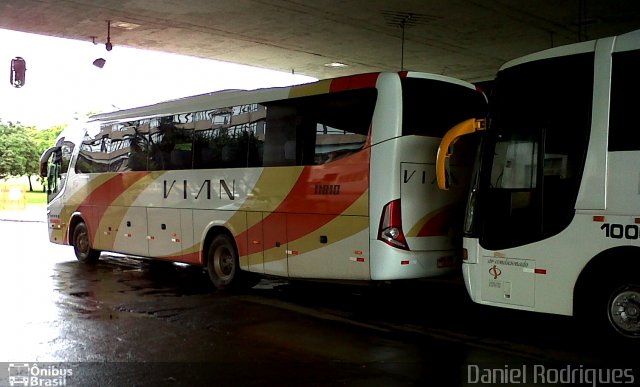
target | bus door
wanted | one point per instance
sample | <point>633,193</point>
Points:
<point>267,243</point>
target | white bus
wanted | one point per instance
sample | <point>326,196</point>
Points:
<point>330,180</point>
<point>553,215</point>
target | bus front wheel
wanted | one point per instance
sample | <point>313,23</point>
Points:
<point>82,245</point>
<point>222,262</point>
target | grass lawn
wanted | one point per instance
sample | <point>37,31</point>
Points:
<point>36,198</point>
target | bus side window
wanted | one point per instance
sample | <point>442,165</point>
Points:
<point>94,151</point>
<point>210,132</point>
<point>342,124</point>
<point>128,148</point>
<point>171,145</point>
<point>280,136</point>
<point>323,127</point>
<point>333,144</point>
<point>138,146</point>
<point>625,81</point>
<point>229,137</point>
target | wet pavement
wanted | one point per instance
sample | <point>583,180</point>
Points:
<point>132,322</point>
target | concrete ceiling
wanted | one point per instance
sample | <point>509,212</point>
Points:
<point>468,39</point>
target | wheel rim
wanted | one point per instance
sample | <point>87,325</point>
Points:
<point>223,262</point>
<point>82,243</point>
<point>624,311</point>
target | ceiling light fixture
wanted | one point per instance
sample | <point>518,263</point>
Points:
<point>125,25</point>
<point>336,65</point>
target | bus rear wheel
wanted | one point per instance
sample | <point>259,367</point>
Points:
<point>623,310</point>
<point>222,262</point>
<point>82,245</point>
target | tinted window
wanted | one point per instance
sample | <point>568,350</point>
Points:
<point>332,143</point>
<point>229,137</point>
<point>66,148</point>
<point>58,167</point>
<point>301,131</point>
<point>129,146</point>
<point>318,129</point>
<point>534,151</point>
<point>625,83</point>
<point>280,134</point>
<point>93,156</point>
<point>431,108</point>
<point>171,143</point>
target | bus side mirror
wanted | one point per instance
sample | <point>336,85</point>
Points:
<point>469,126</point>
<point>18,72</point>
<point>44,160</point>
<point>44,167</point>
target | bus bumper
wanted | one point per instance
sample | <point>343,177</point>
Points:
<point>390,263</point>
<point>469,272</point>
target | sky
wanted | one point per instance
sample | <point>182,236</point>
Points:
<point>62,84</point>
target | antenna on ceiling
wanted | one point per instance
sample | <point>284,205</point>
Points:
<point>404,20</point>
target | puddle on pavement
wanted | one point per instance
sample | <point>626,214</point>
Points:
<point>118,284</point>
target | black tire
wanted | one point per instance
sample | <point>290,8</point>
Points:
<point>222,262</point>
<point>82,245</point>
<point>623,309</point>
<point>609,310</point>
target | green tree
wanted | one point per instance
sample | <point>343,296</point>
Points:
<point>15,150</point>
<point>21,147</point>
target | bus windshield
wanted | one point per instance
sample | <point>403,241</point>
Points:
<point>534,151</point>
<point>54,165</point>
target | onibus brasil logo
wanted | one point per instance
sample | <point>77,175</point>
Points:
<point>25,374</point>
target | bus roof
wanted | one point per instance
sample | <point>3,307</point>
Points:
<point>225,98</point>
<point>570,49</point>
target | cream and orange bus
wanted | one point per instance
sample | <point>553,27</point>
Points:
<point>330,180</point>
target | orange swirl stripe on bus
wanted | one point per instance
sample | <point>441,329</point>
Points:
<point>75,200</point>
<point>302,199</point>
<point>435,223</point>
<point>296,201</point>
<point>103,195</point>
<point>335,227</point>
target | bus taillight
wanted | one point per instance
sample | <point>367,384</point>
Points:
<point>390,230</point>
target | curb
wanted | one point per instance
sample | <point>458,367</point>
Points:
<point>32,214</point>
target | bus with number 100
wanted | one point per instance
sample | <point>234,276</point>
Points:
<point>332,180</point>
<point>553,215</point>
